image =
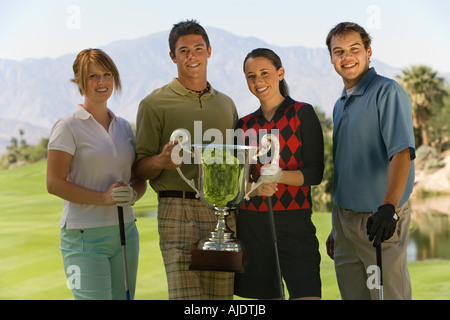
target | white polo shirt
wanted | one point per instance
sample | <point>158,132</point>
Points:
<point>100,158</point>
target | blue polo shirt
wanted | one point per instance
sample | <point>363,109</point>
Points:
<point>370,127</point>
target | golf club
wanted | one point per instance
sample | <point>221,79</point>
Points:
<point>124,250</point>
<point>379,264</point>
<point>274,236</point>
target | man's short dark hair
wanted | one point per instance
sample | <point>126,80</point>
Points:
<point>184,28</point>
<point>345,27</point>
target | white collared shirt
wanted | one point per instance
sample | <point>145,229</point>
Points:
<point>100,158</point>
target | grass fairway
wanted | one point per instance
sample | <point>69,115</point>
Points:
<point>31,264</point>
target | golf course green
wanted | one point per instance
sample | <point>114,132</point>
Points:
<point>31,265</point>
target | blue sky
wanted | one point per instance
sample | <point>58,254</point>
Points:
<point>405,32</point>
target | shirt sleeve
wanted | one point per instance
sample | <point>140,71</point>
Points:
<point>395,113</point>
<point>312,146</point>
<point>61,138</point>
<point>148,131</point>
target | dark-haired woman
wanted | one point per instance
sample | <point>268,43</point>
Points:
<point>301,161</point>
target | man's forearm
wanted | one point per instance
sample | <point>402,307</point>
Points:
<point>148,168</point>
<point>397,177</point>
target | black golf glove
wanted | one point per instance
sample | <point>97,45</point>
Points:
<point>381,225</point>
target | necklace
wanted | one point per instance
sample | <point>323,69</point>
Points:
<point>202,92</point>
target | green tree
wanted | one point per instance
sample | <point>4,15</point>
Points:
<point>322,194</point>
<point>426,91</point>
<point>438,126</point>
<point>20,152</point>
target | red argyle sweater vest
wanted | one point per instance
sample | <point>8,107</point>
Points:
<point>286,121</point>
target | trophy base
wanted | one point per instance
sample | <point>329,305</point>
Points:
<point>213,260</point>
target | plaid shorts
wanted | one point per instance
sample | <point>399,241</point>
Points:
<point>182,223</point>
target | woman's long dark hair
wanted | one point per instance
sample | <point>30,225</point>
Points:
<point>276,61</point>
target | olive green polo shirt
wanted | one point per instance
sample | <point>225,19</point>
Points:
<point>172,107</point>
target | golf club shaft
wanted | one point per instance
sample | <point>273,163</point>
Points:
<point>124,250</point>
<point>380,268</point>
<point>274,236</point>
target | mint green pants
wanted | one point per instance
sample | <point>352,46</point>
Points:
<point>93,261</point>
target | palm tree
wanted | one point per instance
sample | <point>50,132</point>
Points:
<point>425,89</point>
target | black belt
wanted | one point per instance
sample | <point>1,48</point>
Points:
<point>177,194</point>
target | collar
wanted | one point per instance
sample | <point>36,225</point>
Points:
<point>178,88</point>
<point>288,101</point>
<point>362,84</point>
<point>82,114</point>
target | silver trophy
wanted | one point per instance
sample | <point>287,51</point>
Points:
<point>222,184</point>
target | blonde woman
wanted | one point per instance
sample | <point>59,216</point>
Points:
<point>90,166</point>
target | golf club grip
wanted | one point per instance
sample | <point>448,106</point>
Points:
<point>380,263</point>
<point>121,226</point>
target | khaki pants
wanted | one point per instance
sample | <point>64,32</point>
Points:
<point>354,254</point>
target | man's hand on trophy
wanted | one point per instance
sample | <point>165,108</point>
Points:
<point>170,156</point>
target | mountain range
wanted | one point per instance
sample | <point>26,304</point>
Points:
<point>34,93</point>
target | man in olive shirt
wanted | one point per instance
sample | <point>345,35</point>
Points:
<point>188,102</point>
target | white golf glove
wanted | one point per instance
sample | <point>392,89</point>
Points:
<point>125,196</point>
<point>270,173</point>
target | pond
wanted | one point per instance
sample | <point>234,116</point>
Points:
<point>430,229</point>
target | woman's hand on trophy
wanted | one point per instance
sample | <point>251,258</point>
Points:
<point>267,182</point>
<point>260,189</point>
<point>270,173</point>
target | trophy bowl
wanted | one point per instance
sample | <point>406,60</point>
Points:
<point>223,178</point>
<point>222,184</point>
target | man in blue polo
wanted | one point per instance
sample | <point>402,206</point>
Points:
<point>373,151</point>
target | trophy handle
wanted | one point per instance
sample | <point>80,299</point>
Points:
<point>266,144</point>
<point>182,136</point>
